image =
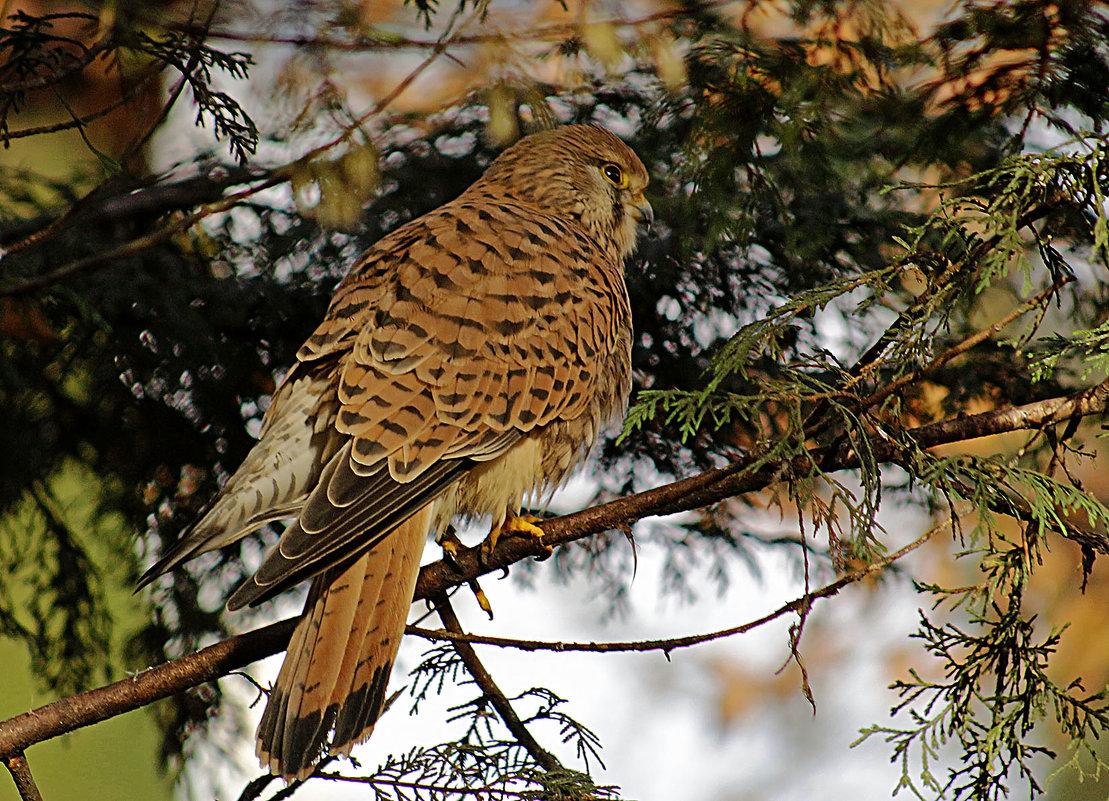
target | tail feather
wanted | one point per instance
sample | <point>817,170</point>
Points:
<point>331,687</point>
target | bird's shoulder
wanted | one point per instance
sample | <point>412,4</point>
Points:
<point>488,259</point>
<point>478,233</point>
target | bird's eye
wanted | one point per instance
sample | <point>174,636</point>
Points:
<point>615,175</point>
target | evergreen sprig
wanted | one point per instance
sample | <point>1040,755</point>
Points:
<point>196,62</point>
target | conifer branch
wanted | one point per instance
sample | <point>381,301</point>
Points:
<point>67,714</point>
<point>492,693</point>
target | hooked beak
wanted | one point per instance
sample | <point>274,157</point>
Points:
<point>644,214</point>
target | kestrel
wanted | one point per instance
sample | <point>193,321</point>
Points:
<point>465,364</point>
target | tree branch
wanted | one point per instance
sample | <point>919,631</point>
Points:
<point>21,775</point>
<point>76,121</point>
<point>978,337</point>
<point>136,245</point>
<point>67,64</point>
<point>491,691</point>
<point>392,41</point>
<point>435,579</point>
<point>673,643</point>
<point>128,204</point>
<point>271,178</point>
<point>143,688</point>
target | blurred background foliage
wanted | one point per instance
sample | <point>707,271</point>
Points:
<point>185,184</point>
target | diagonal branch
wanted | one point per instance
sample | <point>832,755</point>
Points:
<point>143,688</point>
<point>134,246</point>
<point>707,488</point>
<point>21,775</point>
<point>493,694</point>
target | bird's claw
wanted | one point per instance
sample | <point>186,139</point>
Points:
<point>481,598</point>
<point>519,525</point>
<point>451,546</point>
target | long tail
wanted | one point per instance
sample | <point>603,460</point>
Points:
<point>331,687</point>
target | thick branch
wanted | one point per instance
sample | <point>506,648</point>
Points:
<point>135,246</point>
<point>713,486</point>
<point>143,688</point>
<point>435,579</point>
<point>117,204</point>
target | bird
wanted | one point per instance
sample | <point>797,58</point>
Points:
<point>465,364</point>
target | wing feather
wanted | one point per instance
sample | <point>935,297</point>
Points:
<point>456,336</point>
<point>328,534</point>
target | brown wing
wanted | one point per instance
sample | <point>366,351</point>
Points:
<point>457,335</point>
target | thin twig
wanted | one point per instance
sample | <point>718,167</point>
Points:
<point>674,643</point>
<point>552,32</point>
<point>966,344</point>
<point>78,121</point>
<point>492,692</point>
<point>870,361</point>
<point>74,64</point>
<point>441,45</point>
<point>423,789</point>
<point>256,787</point>
<point>195,51</point>
<point>803,611</point>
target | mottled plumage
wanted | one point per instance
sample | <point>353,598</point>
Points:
<point>465,363</point>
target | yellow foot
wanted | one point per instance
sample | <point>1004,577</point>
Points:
<point>451,546</point>
<point>520,525</point>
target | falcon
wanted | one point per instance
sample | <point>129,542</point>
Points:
<point>465,365</point>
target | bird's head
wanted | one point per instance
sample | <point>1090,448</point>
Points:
<point>580,172</point>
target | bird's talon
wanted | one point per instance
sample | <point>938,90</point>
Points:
<point>481,597</point>
<point>520,525</point>
<point>524,525</point>
<point>486,549</point>
<point>451,546</point>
